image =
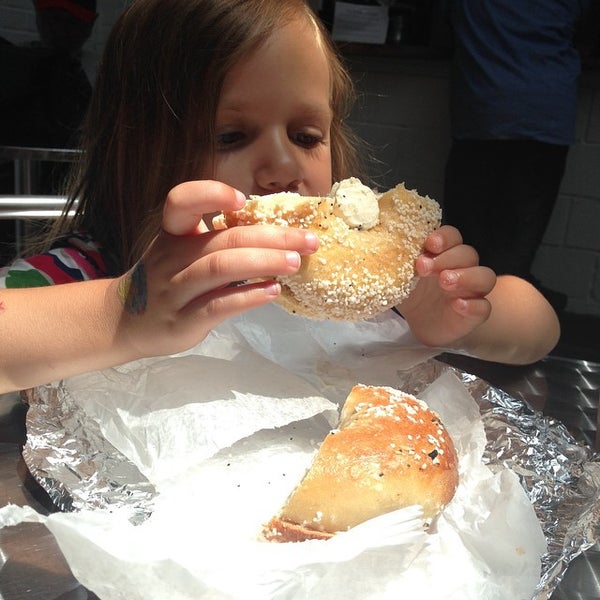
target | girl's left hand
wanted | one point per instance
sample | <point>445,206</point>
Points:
<point>449,300</point>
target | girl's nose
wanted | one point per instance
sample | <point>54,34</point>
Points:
<point>278,168</point>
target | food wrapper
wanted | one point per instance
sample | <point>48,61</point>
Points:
<point>171,466</point>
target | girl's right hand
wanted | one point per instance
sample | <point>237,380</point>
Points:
<point>190,279</point>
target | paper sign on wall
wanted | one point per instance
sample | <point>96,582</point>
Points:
<point>360,23</point>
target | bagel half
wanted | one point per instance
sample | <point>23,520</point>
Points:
<point>362,266</point>
<point>389,452</point>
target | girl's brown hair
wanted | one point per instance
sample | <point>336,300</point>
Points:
<point>150,122</point>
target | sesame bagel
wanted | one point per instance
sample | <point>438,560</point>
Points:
<point>368,245</point>
<point>389,452</point>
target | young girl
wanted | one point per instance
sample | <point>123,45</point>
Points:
<point>197,104</point>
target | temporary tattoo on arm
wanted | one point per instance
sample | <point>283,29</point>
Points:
<point>132,290</point>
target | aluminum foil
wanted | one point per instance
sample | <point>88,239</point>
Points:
<point>69,457</point>
<point>67,454</point>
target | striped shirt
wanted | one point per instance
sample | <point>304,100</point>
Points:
<point>75,257</point>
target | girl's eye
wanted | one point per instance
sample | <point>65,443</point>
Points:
<point>307,140</point>
<point>228,139</point>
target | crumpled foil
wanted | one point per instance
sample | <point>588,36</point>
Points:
<point>79,469</point>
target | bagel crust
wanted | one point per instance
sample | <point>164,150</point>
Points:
<point>389,452</point>
<point>358,271</point>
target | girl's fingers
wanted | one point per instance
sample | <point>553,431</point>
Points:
<point>218,305</point>
<point>220,269</point>
<point>476,310</point>
<point>442,239</point>
<point>475,282</point>
<point>187,202</point>
<point>457,257</point>
<point>257,236</point>
<point>170,254</point>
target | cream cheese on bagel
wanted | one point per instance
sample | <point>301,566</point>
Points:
<point>355,203</point>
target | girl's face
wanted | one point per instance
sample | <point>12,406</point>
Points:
<point>273,117</point>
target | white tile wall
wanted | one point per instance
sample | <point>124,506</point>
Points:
<point>569,258</point>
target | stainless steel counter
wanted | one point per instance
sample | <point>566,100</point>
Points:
<point>32,566</point>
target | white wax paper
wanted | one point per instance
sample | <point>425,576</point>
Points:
<point>226,431</point>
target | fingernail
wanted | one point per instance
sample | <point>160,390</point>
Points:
<point>311,240</point>
<point>292,259</point>
<point>273,289</point>
<point>435,242</point>
<point>426,264</point>
<point>240,198</point>
<point>450,278</point>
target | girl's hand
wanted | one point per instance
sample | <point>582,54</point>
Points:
<point>449,300</point>
<point>190,279</point>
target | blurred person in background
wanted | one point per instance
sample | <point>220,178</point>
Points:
<point>45,90</point>
<point>513,103</point>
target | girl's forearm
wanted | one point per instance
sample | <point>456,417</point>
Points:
<point>54,332</point>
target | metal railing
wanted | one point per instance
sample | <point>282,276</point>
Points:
<point>26,163</point>
<point>31,206</point>
<point>24,205</point>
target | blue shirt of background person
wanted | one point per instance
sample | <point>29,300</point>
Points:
<point>508,83</point>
